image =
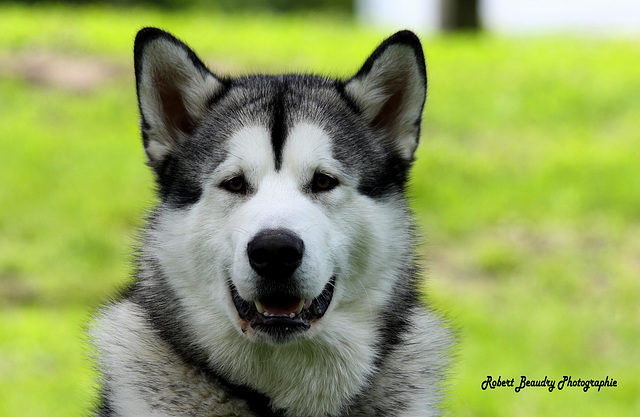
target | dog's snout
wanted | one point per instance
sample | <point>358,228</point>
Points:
<point>275,254</point>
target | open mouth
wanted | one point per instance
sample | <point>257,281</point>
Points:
<point>281,315</point>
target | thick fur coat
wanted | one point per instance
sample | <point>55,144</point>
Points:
<point>277,274</point>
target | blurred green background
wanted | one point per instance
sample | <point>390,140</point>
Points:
<point>527,189</point>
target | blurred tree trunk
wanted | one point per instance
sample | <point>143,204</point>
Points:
<point>461,15</point>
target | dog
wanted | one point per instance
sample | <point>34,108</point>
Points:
<point>277,274</point>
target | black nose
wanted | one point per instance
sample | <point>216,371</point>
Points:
<point>275,254</point>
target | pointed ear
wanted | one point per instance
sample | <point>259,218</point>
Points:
<point>390,91</point>
<point>174,89</point>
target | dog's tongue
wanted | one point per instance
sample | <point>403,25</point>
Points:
<point>280,306</point>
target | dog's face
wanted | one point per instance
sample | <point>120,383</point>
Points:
<point>287,236</point>
<point>281,196</point>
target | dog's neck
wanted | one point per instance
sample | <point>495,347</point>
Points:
<point>311,377</point>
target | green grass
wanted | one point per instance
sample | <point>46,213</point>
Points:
<point>527,186</point>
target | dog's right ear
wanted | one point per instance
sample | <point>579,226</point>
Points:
<point>174,88</point>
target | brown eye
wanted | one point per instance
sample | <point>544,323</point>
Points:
<point>323,182</point>
<point>235,185</point>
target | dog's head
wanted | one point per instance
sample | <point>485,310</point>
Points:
<point>281,196</point>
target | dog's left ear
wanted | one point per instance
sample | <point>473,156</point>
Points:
<point>390,91</point>
<point>174,89</point>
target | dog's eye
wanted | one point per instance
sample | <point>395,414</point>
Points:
<point>235,185</point>
<point>323,182</point>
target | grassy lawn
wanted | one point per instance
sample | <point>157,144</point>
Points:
<point>527,188</point>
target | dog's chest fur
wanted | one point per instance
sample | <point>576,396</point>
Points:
<point>147,378</point>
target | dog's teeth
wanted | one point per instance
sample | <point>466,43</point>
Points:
<point>299,310</point>
<point>259,306</point>
<point>292,315</point>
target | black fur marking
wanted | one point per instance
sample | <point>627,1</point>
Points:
<point>176,186</point>
<point>220,94</point>
<point>258,403</point>
<point>397,317</point>
<point>104,408</point>
<point>347,98</point>
<point>278,126</point>
<point>389,178</point>
<point>145,137</point>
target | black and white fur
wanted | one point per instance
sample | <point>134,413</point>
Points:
<point>278,189</point>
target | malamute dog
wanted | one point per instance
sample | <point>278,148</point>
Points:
<point>277,275</point>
